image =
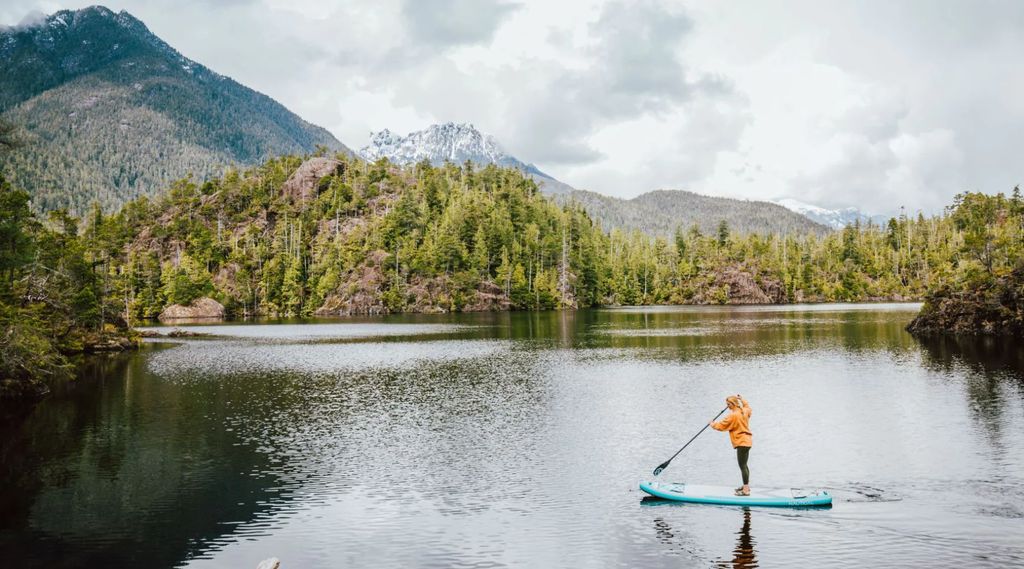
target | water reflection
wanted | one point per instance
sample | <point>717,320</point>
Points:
<point>516,440</point>
<point>118,471</point>
<point>744,552</point>
<point>737,332</point>
<point>744,556</point>
<point>996,357</point>
<point>993,375</point>
<point>733,331</point>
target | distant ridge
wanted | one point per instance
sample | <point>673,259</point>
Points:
<point>661,212</point>
<point>451,142</point>
<point>111,112</point>
<point>834,218</point>
<point>657,213</point>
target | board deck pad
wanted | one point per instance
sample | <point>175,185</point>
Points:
<point>724,495</point>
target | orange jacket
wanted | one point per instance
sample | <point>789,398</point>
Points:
<point>737,422</point>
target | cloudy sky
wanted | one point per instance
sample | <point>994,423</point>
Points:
<point>872,104</point>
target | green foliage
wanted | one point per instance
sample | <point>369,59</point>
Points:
<point>981,289</point>
<point>185,282</point>
<point>15,240</point>
<point>377,238</point>
<point>723,233</point>
<point>26,351</point>
<point>55,292</point>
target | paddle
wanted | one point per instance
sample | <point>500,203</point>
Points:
<point>664,465</point>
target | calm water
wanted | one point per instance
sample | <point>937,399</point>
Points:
<point>519,439</point>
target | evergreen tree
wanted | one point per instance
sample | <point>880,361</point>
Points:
<point>723,233</point>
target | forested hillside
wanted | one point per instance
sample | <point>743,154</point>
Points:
<point>661,212</point>
<point>53,301</point>
<point>109,112</point>
<point>339,235</point>
<point>984,294</point>
<point>345,236</point>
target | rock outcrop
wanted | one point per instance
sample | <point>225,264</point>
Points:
<point>108,342</point>
<point>362,294</point>
<point>735,284</point>
<point>429,296</point>
<point>994,308</point>
<point>302,184</point>
<point>360,291</point>
<point>489,297</point>
<point>204,308</point>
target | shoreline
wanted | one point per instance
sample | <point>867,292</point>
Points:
<point>172,323</point>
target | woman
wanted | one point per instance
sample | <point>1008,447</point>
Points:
<point>737,422</point>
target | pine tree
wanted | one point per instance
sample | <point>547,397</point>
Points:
<point>480,259</point>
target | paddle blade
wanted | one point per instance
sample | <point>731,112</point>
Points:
<point>661,467</point>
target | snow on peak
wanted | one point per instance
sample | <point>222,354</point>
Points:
<point>381,140</point>
<point>453,142</point>
<point>834,218</point>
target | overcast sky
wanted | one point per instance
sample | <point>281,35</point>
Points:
<point>870,104</point>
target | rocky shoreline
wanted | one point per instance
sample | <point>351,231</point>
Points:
<point>993,308</point>
<point>732,285</point>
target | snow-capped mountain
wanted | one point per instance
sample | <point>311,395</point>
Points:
<point>834,218</point>
<point>454,143</point>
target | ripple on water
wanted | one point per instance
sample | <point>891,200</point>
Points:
<point>209,359</point>
<point>524,451</point>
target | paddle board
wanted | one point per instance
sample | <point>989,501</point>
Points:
<point>724,495</point>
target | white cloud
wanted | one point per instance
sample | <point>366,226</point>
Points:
<point>449,23</point>
<point>874,108</point>
<point>875,105</point>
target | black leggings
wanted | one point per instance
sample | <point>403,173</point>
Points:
<point>742,453</point>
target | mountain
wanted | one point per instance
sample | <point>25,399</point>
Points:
<point>658,212</point>
<point>834,218</point>
<point>661,212</point>
<point>450,142</point>
<point>110,111</point>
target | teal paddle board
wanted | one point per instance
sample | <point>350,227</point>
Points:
<point>724,495</point>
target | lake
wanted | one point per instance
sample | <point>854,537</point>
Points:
<point>493,440</point>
